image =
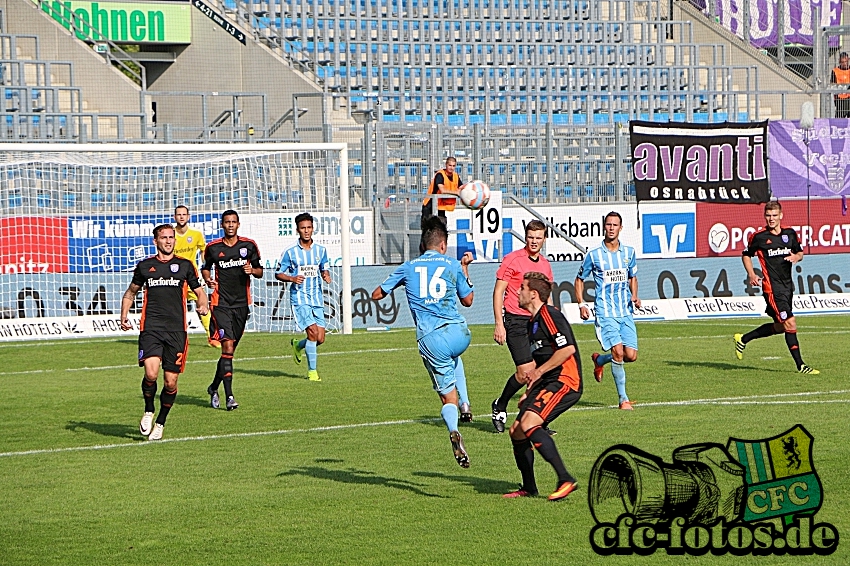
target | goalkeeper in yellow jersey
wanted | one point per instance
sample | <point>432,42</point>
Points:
<point>188,244</point>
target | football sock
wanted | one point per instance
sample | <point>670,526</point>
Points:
<point>166,399</point>
<point>205,320</point>
<point>310,348</point>
<point>524,456</point>
<point>149,392</point>
<point>544,444</point>
<point>227,374</point>
<point>460,383</point>
<point>449,413</point>
<point>302,344</point>
<point>762,331</point>
<point>619,379</point>
<point>794,347</point>
<point>603,359</point>
<point>511,388</point>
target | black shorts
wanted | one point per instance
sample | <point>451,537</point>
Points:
<point>516,332</point>
<point>549,399</point>
<point>228,323</point>
<point>779,304</point>
<point>170,347</point>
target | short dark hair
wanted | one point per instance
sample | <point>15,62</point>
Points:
<point>842,55</point>
<point>160,228</point>
<point>304,216</point>
<point>540,283</point>
<point>773,205</point>
<point>434,233</point>
<point>613,213</point>
<point>179,206</point>
<point>534,226</point>
<point>229,212</point>
<point>451,158</point>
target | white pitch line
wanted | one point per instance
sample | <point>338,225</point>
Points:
<point>748,400</point>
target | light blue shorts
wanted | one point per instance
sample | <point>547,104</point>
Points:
<point>611,331</point>
<point>306,315</point>
<point>440,351</point>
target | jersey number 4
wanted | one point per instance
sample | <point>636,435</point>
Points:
<point>436,287</point>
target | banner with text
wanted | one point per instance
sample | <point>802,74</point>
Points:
<point>722,163</point>
<point>819,170</point>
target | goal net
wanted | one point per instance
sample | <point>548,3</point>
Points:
<point>77,218</point>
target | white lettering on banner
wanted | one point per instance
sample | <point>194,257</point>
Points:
<point>719,306</point>
<point>825,235</point>
<point>26,266</point>
<point>615,276</point>
<point>86,326</point>
<point>308,270</point>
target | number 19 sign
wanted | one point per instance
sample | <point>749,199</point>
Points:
<point>485,240</point>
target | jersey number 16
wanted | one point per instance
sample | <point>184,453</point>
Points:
<point>436,287</point>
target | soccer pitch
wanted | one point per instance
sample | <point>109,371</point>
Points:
<point>358,469</point>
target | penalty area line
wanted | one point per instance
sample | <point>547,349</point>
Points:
<point>770,399</point>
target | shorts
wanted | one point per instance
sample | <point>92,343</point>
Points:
<point>440,351</point>
<point>779,304</point>
<point>516,331</point>
<point>228,323</point>
<point>170,347</point>
<point>549,399</point>
<point>611,331</point>
<point>307,315</point>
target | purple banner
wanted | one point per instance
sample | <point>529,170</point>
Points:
<point>828,156</point>
<point>764,18</point>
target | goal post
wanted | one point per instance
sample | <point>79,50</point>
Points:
<point>76,218</point>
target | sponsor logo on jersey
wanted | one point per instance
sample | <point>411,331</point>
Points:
<point>778,251</point>
<point>232,263</point>
<point>163,282</point>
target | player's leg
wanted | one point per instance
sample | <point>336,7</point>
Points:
<point>175,346</point>
<point>218,316</point>
<point>459,337</point>
<point>764,331</point>
<point>228,349</point>
<point>150,358</point>
<point>516,336</point>
<point>524,458</point>
<point>205,321</point>
<point>315,337</point>
<point>543,404</point>
<point>790,328</point>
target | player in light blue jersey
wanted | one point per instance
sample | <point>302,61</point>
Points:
<point>305,266</point>
<point>613,267</point>
<point>431,282</point>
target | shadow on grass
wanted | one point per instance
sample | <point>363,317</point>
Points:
<point>481,485</point>
<point>195,401</point>
<point>722,366</point>
<point>106,429</point>
<point>352,476</point>
<point>271,373</point>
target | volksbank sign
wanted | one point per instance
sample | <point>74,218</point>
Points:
<point>124,22</point>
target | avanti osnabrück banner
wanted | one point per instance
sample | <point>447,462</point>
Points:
<point>824,161</point>
<point>719,163</point>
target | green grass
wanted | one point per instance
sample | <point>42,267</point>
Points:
<point>309,493</point>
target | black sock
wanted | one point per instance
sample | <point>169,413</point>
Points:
<point>794,348</point>
<point>524,456</point>
<point>544,444</point>
<point>226,363</point>
<point>149,393</point>
<point>166,399</point>
<point>762,331</point>
<point>512,386</point>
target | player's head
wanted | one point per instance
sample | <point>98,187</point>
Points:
<point>535,236</point>
<point>613,225</point>
<point>843,61</point>
<point>304,225</point>
<point>534,291</point>
<point>435,236</point>
<point>772,214</point>
<point>230,223</point>
<point>451,163</point>
<point>163,239</point>
<point>181,216</point>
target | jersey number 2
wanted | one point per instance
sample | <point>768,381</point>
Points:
<point>436,287</point>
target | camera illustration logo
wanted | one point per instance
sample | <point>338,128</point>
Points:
<point>754,497</point>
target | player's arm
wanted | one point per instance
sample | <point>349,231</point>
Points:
<point>126,302</point>
<point>254,268</point>
<point>287,271</point>
<point>499,334</point>
<point>584,271</point>
<point>797,256</point>
<point>395,279</point>
<point>467,299</point>
<point>755,280</point>
<point>633,287</point>
<point>323,267</point>
<point>206,273</point>
<point>202,304</point>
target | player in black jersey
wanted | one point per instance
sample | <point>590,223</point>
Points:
<point>235,260</point>
<point>777,249</point>
<point>166,280</point>
<point>554,385</point>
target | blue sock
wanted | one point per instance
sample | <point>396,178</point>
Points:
<point>310,348</point>
<point>302,344</point>
<point>460,383</point>
<point>449,413</point>
<point>603,359</point>
<point>620,379</point>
